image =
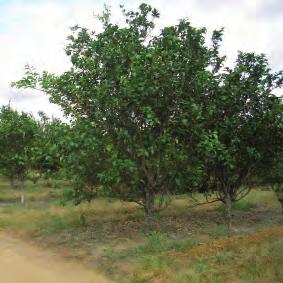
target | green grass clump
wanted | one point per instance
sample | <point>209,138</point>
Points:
<point>244,205</point>
<point>216,231</point>
<point>156,242</point>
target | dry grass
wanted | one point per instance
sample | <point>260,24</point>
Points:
<point>189,244</point>
<point>247,258</point>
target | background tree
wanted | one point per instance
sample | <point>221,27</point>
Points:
<point>243,128</point>
<point>50,148</point>
<point>270,174</point>
<point>86,156</point>
<point>17,137</point>
<point>273,178</point>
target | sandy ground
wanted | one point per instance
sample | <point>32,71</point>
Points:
<point>21,262</point>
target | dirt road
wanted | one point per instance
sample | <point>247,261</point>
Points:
<point>21,262</point>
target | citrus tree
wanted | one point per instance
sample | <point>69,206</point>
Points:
<point>135,92</point>
<point>243,130</point>
<point>18,133</point>
<point>50,148</point>
<point>158,112</point>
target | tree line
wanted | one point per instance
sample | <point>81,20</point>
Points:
<point>156,114</point>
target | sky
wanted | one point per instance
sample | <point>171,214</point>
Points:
<point>34,32</point>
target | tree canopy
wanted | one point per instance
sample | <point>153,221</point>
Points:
<point>18,133</point>
<point>159,112</point>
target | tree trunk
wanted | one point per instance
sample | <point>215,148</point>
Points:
<point>53,185</point>
<point>228,208</point>
<point>12,182</point>
<point>279,194</point>
<point>149,208</point>
<point>21,187</point>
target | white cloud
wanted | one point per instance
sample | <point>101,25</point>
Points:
<point>270,9</point>
<point>34,32</point>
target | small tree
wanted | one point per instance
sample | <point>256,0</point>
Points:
<point>86,156</point>
<point>50,147</point>
<point>17,136</point>
<point>271,175</point>
<point>275,181</point>
<point>243,128</point>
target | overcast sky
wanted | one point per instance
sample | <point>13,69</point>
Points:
<point>34,32</point>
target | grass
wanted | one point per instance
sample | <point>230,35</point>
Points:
<point>33,192</point>
<point>188,244</point>
<point>216,231</point>
<point>154,243</point>
<point>252,258</point>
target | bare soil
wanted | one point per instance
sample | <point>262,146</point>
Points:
<point>21,262</point>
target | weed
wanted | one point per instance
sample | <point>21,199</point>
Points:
<point>244,205</point>
<point>148,268</point>
<point>156,242</point>
<point>265,222</point>
<point>224,257</point>
<point>187,277</point>
<point>67,195</point>
<point>216,231</point>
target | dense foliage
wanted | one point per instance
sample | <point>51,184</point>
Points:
<point>243,130</point>
<point>18,133</point>
<point>50,148</point>
<point>159,113</point>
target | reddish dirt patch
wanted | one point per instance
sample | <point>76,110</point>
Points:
<point>214,246</point>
